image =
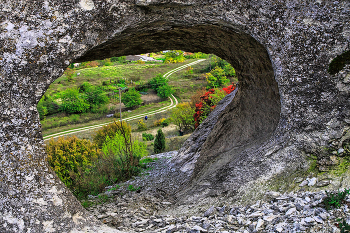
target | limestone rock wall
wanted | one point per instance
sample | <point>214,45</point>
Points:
<point>286,104</point>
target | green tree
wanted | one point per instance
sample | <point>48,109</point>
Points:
<point>164,91</point>
<point>174,56</point>
<point>159,142</point>
<point>109,130</point>
<point>95,96</point>
<point>47,106</point>
<point>182,116</point>
<point>131,98</point>
<point>157,82</point>
<point>73,101</point>
<point>216,78</point>
<point>125,152</point>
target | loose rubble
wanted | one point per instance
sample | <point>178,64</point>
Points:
<point>137,211</point>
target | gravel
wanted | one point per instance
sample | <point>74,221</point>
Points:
<point>138,211</point>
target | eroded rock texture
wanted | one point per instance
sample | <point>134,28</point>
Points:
<point>287,104</point>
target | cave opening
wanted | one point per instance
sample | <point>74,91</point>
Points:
<point>251,117</point>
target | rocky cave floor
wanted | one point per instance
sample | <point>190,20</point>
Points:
<point>130,209</point>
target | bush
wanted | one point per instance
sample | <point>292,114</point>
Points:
<point>141,125</point>
<point>147,137</point>
<point>196,98</point>
<point>174,56</point>
<point>125,153</point>
<point>96,96</point>
<point>109,130</point>
<point>42,110</point>
<point>165,123</point>
<point>74,118</point>
<point>159,142</point>
<point>118,59</point>
<point>164,91</point>
<point>208,103</point>
<point>70,157</point>
<point>73,101</point>
<point>119,161</point>
<point>216,78</point>
<point>89,64</point>
<point>182,116</point>
<point>131,98</point>
<point>158,122</point>
<point>335,199</point>
<point>158,81</point>
<point>47,106</point>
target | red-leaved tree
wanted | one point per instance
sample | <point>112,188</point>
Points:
<point>209,101</point>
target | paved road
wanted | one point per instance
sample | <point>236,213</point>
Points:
<point>173,104</point>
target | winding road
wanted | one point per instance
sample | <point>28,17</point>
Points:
<point>173,104</point>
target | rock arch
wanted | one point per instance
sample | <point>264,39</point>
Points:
<point>287,104</point>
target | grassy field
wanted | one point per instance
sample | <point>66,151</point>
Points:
<point>86,134</point>
<point>183,84</point>
<point>138,73</point>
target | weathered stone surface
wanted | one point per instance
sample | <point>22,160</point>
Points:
<point>286,104</point>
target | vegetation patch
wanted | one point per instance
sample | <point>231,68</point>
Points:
<point>87,168</point>
<point>159,142</point>
<point>335,199</point>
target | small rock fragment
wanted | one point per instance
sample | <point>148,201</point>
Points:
<point>209,211</point>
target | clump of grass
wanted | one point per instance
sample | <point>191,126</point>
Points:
<point>114,188</point>
<point>343,226</point>
<point>103,198</point>
<point>335,199</point>
<point>132,188</point>
<point>87,204</point>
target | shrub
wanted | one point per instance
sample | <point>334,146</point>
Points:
<point>84,87</point>
<point>335,199</point>
<point>158,81</point>
<point>90,64</point>
<point>208,103</point>
<point>118,59</point>
<point>74,118</point>
<point>42,110</point>
<point>109,130</point>
<point>158,122</point>
<point>119,161</point>
<point>73,101</point>
<point>147,137</point>
<point>159,142</point>
<point>182,116</point>
<point>51,104</point>
<point>165,123</point>
<point>95,96</point>
<point>164,91</point>
<point>131,98</point>
<point>189,70</point>
<point>141,125</point>
<point>125,153</point>
<point>343,226</point>
<point>174,56</point>
<point>108,62</point>
<point>216,78</point>
<point>70,157</point>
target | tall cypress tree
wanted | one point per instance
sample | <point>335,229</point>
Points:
<point>159,142</point>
